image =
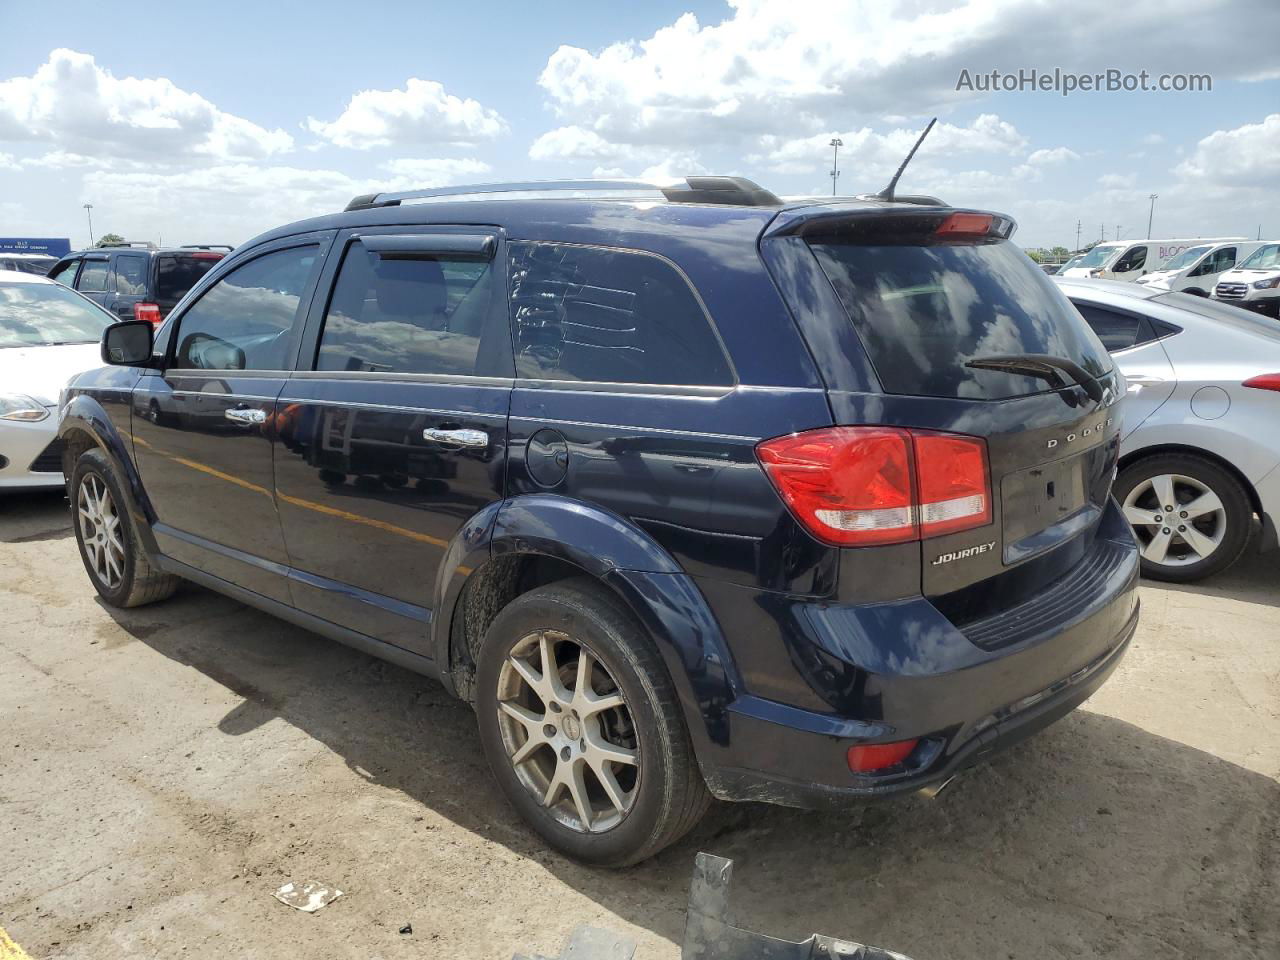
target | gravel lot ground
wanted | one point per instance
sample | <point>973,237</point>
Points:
<point>164,770</point>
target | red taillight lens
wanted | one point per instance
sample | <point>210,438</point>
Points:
<point>877,756</point>
<point>1265,381</point>
<point>965,225</point>
<point>860,486</point>
<point>207,256</point>
<point>147,311</point>
<point>849,486</point>
<point>951,473</point>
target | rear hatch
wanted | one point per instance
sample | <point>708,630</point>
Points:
<point>967,337</point>
<point>177,272</point>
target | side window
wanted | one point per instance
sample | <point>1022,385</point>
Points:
<point>619,316</point>
<point>131,276</point>
<point>1224,260</point>
<point>66,273</point>
<point>1134,259</point>
<point>244,321</point>
<point>1117,331</point>
<point>93,278</point>
<point>419,315</point>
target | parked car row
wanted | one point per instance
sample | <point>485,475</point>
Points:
<point>707,495</point>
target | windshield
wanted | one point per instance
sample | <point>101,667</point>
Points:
<point>41,314</point>
<point>1187,257</point>
<point>923,310</point>
<point>1264,258</point>
<point>1098,256</point>
<point>37,265</point>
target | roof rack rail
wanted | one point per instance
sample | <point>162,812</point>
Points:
<point>734,191</point>
<point>140,244</point>
<point>207,246</point>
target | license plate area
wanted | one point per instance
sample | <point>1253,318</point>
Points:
<point>1044,505</point>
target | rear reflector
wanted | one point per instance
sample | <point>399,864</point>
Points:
<point>861,486</point>
<point>965,225</point>
<point>1266,381</point>
<point>147,311</point>
<point>878,756</point>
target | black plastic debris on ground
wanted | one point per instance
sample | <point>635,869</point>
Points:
<point>708,934</point>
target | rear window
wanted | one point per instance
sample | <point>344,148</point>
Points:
<point>923,311</point>
<point>176,273</point>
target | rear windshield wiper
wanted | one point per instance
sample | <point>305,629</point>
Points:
<point>1042,365</point>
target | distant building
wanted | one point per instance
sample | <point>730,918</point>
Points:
<point>53,246</point>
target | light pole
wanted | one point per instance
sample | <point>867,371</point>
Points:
<point>1151,216</point>
<point>836,144</point>
<point>1077,235</point>
<point>1117,231</point>
<point>88,210</point>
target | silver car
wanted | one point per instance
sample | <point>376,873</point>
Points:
<point>1200,448</point>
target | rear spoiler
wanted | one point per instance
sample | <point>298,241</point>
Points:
<point>856,217</point>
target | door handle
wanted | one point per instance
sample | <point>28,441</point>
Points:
<point>246,416</point>
<point>457,438</point>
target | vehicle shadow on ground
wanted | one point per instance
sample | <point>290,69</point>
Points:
<point>30,516</point>
<point>1254,578</point>
<point>1060,841</point>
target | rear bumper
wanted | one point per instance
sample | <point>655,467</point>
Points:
<point>901,670</point>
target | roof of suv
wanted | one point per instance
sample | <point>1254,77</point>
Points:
<point>589,208</point>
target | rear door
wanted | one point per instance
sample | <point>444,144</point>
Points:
<point>926,295</point>
<point>1134,342</point>
<point>393,432</point>
<point>203,424</point>
<point>128,283</point>
<point>95,277</point>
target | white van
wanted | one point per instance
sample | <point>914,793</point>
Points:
<point>1197,269</point>
<point>1255,284</point>
<point>1131,259</point>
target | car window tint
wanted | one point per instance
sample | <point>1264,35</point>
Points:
<point>420,315</point>
<point>1117,331</point>
<point>619,316</point>
<point>93,278</point>
<point>66,273</point>
<point>176,273</point>
<point>131,276</point>
<point>244,321</point>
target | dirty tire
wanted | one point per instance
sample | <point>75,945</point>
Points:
<point>669,793</point>
<point>1237,510</point>
<point>139,582</point>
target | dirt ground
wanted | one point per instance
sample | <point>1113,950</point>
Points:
<point>164,770</point>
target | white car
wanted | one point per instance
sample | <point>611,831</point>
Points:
<point>1198,269</point>
<point>1131,259</point>
<point>1199,450</point>
<point>48,334</point>
<point>1255,284</point>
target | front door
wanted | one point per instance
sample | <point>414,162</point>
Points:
<point>392,434</point>
<point>94,276</point>
<point>128,283</point>
<point>203,425</point>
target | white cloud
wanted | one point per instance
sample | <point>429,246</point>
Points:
<point>777,67</point>
<point>1117,181</point>
<point>1153,139</point>
<point>1248,156</point>
<point>83,108</point>
<point>420,113</point>
<point>411,172</point>
<point>1054,156</point>
<point>8,162</point>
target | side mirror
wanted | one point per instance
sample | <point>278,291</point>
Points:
<point>128,343</point>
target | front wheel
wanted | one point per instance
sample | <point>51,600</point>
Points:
<point>582,728</point>
<point>1190,516</point>
<point>117,565</point>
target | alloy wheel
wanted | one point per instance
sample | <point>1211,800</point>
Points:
<point>568,731</point>
<point>100,531</point>
<point>1178,520</point>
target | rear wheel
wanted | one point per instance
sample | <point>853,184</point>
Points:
<point>582,728</point>
<point>117,566</point>
<point>1190,516</point>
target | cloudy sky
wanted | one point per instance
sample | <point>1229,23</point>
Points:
<point>212,122</point>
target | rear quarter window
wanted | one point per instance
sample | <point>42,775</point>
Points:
<point>176,273</point>
<point>924,310</point>
<point>610,315</point>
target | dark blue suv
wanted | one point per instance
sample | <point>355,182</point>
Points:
<point>691,492</point>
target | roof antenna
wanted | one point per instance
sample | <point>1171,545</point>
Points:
<point>887,193</point>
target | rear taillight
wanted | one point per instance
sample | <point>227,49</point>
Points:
<point>1265,381</point>
<point>860,486</point>
<point>147,311</point>
<point>965,225</point>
